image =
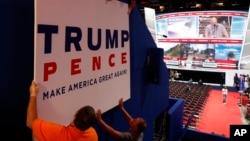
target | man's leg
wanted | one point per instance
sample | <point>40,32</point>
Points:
<point>224,98</point>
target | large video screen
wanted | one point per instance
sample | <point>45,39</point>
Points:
<point>202,39</point>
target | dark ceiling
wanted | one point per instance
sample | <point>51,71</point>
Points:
<point>193,5</point>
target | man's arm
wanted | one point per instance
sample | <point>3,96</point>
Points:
<point>132,4</point>
<point>226,34</point>
<point>225,31</point>
<point>32,106</point>
<point>206,31</point>
<point>112,132</point>
<point>124,112</point>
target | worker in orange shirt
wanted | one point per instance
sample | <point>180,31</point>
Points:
<point>80,129</point>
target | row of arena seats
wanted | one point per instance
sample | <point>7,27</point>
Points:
<point>244,101</point>
<point>248,111</point>
<point>194,99</point>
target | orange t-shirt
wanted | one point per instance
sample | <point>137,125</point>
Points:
<point>48,131</point>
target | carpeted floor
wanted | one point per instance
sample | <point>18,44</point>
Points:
<point>217,117</point>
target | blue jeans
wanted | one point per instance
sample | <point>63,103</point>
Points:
<point>224,98</point>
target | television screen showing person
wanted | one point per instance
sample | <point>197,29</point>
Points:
<point>215,29</point>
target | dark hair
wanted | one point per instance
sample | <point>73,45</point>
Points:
<point>84,118</point>
<point>141,126</point>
